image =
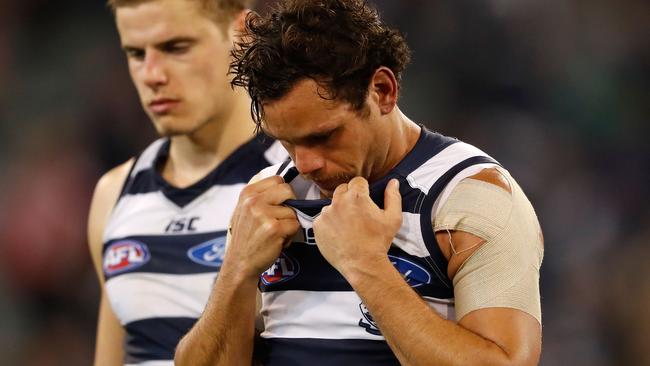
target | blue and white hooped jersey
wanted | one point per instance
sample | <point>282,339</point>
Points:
<point>311,314</point>
<point>164,246</point>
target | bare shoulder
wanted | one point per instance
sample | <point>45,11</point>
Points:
<point>111,182</point>
<point>106,193</point>
<point>493,176</point>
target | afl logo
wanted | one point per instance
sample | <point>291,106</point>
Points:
<point>283,269</point>
<point>125,255</point>
<point>413,274</point>
<point>209,253</point>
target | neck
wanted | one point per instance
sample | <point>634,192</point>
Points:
<point>402,137</point>
<point>194,155</point>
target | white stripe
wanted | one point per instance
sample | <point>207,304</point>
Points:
<point>467,172</point>
<point>409,237</point>
<point>137,296</point>
<point>276,153</point>
<point>428,173</point>
<point>269,171</point>
<point>152,363</point>
<point>319,314</point>
<point>145,160</point>
<point>313,314</point>
<point>150,213</point>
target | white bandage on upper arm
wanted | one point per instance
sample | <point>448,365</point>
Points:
<point>504,271</point>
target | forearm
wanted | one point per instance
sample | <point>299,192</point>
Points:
<point>109,348</point>
<point>415,332</point>
<point>224,333</point>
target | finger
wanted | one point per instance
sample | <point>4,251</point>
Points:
<point>263,184</point>
<point>273,195</point>
<point>323,212</point>
<point>276,194</point>
<point>359,185</point>
<point>279,212</point>
<point>317,221</point>
<point>288,227</point>
<point>393,200</point>
<point>340,189</point>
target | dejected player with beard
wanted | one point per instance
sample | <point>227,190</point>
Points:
<point>380,243</point>
<point>158,222</point>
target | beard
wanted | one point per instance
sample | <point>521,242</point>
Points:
<point>329,183</point>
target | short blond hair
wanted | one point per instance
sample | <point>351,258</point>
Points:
<point>219,10</point>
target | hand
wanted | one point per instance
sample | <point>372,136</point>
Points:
<point>261,225</point>
<point>353,232</point>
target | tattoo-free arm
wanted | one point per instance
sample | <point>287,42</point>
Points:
<point>419,336</point>
<point>224,333</point>
<point>260,226</point>
<point>109,345</point>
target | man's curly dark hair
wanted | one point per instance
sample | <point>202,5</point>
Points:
<point>338,43</point>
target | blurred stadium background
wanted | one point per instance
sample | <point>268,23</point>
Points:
<point>557,90</point>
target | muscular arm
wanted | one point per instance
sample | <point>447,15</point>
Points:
<point>109,347</point>
<point>415,332</point>
<point>419,336</point>
<point>260,226</point>
<point>220,337</point>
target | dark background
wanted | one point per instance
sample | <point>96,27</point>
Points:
<point>558,91</point>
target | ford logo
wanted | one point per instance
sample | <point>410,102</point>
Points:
<point>209,253</point>
<point>413,273</point>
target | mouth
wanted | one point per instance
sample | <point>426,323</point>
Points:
<point>163,105</point>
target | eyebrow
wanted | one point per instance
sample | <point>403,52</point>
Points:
<point>305,139</point>
<point>165,43</point>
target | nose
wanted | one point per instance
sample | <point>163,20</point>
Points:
<point>307,159</point>
<point>153,72</point>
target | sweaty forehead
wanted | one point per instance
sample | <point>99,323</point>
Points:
<point>159,20</point>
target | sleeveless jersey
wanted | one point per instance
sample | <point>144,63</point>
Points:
<point>311,314</point>
<point>164,246</point>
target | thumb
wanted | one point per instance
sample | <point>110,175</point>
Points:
<point>393,201</point>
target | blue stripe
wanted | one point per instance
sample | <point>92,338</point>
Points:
<point>239,167</point>
<point>429,144</point>
<point>154,339</point>
<point>314,273</point>
<point>282,167</point>
<point>308,207</point>
<point>126,183</point>
<point>167,254</point>
<point>324,352</point>
<point>411,198</point>
<point>426,222</point>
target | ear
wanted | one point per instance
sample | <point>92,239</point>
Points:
<point>384,89</point>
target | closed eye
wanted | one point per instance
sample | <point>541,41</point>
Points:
<point>319,139</point>
<point>176,46</point>
<point>314,139</point>
<point>133,53</point>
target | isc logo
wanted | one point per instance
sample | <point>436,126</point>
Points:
<point>125,255</point>
<point>284,268</point>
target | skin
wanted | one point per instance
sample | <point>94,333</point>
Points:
<point>336,147</point>
<point>178,60</point>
